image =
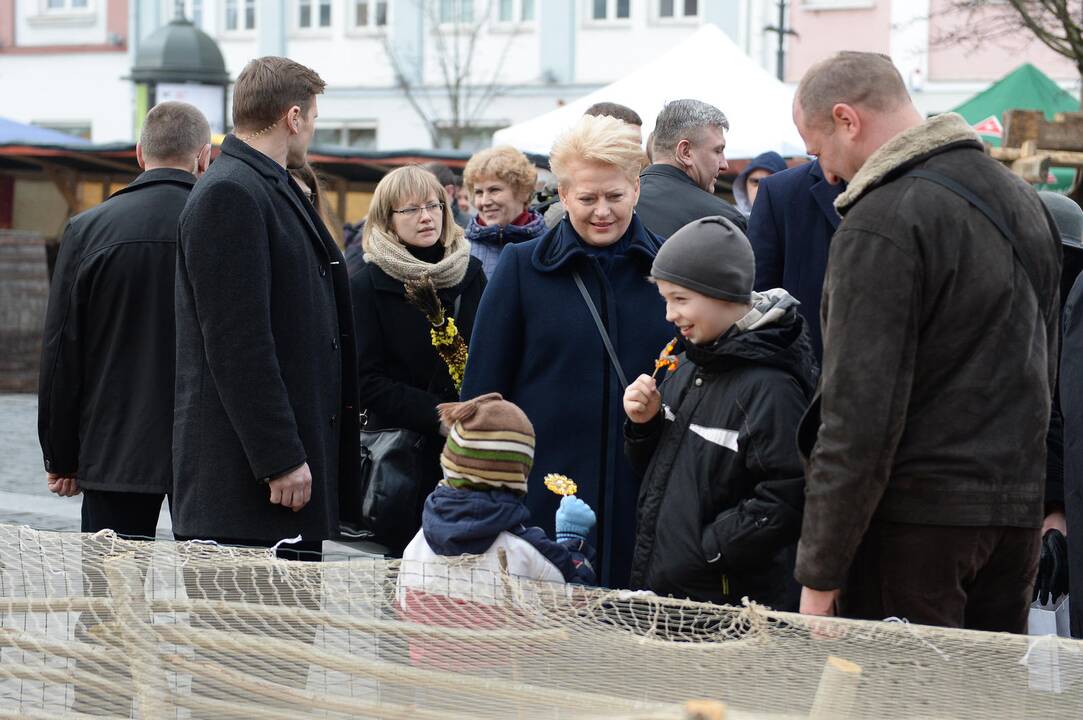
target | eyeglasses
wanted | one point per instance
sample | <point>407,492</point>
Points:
<point>410,212</point>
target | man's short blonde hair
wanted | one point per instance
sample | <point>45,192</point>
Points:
<point>507,165</point>
<point>601,139</point>
<point>399,188</point>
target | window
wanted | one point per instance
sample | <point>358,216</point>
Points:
<point>193,10</point>
<point>370,13</point>
<point>357,136</point>
<point>837,4</point>
<point>53,6</point>
<point>514,11</point>
<point>470,138</point>
<point>677,9</point>
<point>240,15</point>
<point>313,14</point>
<point>601,10</point>
<point>454,12</point>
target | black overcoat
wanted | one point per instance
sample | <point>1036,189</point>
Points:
<point>266,364</point>
<point>669,200</point>
<point>536,343</point>
<point>105,395</point>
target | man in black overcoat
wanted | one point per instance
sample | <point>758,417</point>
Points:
<point>105,397</point>
<point>266,427</point>
<point>689,153</point>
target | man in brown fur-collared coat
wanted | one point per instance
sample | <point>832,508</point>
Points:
<point>925,450</point>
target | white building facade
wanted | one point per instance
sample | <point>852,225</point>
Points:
<point>63,63</point>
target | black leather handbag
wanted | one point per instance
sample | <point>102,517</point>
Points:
<point>391,467</point>
<point>395,464</point>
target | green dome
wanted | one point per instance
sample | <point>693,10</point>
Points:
<point>180,52</point>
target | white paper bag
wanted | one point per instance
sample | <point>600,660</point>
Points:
<point>1049,619</point>
<point>1051,668</point>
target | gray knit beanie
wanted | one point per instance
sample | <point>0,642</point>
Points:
<point>711,256</point>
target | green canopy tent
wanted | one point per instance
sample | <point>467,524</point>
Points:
<point>1025,88</point>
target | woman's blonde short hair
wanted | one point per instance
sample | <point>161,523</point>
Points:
<point>507,165</point>
<point>400,187</point>
<point>600,139</point>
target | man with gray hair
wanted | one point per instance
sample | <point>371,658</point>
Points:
<point>105,397</point>
<point>926,447</point>
<point>689,151</point>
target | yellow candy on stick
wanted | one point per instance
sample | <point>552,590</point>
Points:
<point>560,484</point>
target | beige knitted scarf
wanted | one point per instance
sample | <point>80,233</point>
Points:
<point>387,253</point>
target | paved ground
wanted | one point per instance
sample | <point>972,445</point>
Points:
<point>24,499</point>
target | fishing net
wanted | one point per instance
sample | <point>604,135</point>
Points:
<point>93,626</point>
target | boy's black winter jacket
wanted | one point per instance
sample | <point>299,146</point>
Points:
<point>723,488</point>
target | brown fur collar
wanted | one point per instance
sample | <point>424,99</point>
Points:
<point>906,146</point>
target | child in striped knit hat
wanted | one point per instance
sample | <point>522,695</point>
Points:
<point>477,509</point>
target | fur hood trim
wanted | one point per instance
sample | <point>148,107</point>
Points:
<point>946,129</point>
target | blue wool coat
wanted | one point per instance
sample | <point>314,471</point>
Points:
<point>535,343</point>
<point>790,229</point>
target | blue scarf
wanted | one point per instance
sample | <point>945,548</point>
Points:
<point>500,235</point>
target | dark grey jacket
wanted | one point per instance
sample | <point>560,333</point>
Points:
<point>669,200</point>
<point>939,352</point>
<point>266,361</point>
<point>105,397</point>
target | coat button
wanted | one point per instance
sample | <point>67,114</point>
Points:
<point>333,419</point>
<point>699,381</point>
<point>323,271</point>
<point>334,343</point>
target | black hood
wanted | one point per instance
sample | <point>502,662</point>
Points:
<point>783,343</point>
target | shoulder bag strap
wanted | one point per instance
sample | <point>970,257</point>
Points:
<point>984,209</point>
<point>601,329</point>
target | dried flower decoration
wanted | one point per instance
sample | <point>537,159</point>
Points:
<point>444,335</point>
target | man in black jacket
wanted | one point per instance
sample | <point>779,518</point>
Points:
<point>105,399</point>
<point>266,426</point>
<point>689,153</point>
<point>926,461</point>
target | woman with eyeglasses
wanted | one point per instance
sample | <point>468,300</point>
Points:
<point>410,239</point>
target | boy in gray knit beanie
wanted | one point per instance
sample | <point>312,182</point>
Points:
<point>720,429</point>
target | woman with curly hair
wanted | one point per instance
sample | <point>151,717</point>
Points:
<point>501,182</point>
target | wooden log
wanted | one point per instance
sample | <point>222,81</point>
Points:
<point>1033,169</point>
<point>1020,126</point>
<point>1064,135</point>
<point>300,652</point>
<point>837,691</point>
<point>216,672</point>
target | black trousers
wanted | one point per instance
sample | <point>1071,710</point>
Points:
<point>978,578</point>
<point>132,515</point>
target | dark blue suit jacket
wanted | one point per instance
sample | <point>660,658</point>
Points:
<point>790,229</point>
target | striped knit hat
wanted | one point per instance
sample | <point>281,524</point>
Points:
<point>490,444</point>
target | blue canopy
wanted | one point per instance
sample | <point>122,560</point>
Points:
<point>12,133</point>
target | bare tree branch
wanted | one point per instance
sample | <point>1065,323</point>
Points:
<point>466,90</point>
